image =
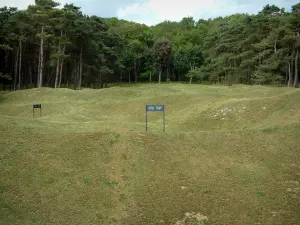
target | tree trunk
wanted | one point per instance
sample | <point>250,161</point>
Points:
<point>61,67</point>
<point>275,46</point>
<point>129,77</point>
<point>248,76</point>
<point>286,76</point>
<point>150,77</point>
<point>57,68</point>
<point>30,75</point>
<point>80,69</point>
<point>135,73</point>
<point>173,73</point>
<point>76,74</point>
<point>296,69</point>
<point>191,77</point>
<point>168,74</point>
<point>290,82</point>
<point>41,59</point>
<point>6,59</point>
<point>57,65</point>
<point>60,72</point>
<point>159,76</point>
<point>138,71</point>
<point>16,67</point>
<point>56,74</point>
<point>49,78</point>
<point>20,64</point>
<point>38,70</point>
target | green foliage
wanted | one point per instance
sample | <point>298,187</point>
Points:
<point>162,53</point>
<point>199,73</point>
<point>6,77</point>
<point>241,48</point>
<point>5,47</point>
<point>145,76</point>
<point>260,194</point>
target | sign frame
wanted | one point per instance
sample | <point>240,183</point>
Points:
<point>156,108</point>
<point>36,106</point>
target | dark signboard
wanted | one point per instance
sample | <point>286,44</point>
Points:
<point>37,106</point>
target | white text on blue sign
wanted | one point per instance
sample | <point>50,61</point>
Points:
<point>154,108</point>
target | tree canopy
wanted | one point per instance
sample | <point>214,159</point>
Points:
<point>45,45</point>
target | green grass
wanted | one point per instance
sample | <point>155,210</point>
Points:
<point>230,155</point>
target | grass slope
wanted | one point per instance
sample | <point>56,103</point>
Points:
<point>230,154</point>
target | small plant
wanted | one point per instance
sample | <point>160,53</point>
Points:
<point>206,190</point>
<point>260,194</point>
<point>122,197</point>
<point>110,184</point>
<point>87,180</point>
<point>124,156</point>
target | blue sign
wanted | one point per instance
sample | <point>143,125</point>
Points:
<point>155,108</point>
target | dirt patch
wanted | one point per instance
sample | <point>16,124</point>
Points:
<point>193,219</point>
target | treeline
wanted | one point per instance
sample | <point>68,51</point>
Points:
<point>60,47</point>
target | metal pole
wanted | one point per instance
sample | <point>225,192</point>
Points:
<point>33,111</point>
<point>164,122</point>
<point>41,111</point>
<point>146,119</point>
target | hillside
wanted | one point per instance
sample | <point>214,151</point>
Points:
<point>229,153</point>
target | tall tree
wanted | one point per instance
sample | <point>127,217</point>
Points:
<point>20,26</point>
<point>42,12</point>
<point>162,53</point>
<point>61,47</point>
<point>295,24</point>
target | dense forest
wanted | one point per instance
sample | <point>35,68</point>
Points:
<point>48,45</point>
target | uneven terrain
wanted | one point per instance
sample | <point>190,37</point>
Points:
<point>230,155</point>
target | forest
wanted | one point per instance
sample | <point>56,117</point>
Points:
<point>48,45</point>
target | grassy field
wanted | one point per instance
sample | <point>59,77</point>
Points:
<point>229,154</point>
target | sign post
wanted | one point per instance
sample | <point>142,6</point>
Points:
<point>37,106</point>
<point>155,108</point>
